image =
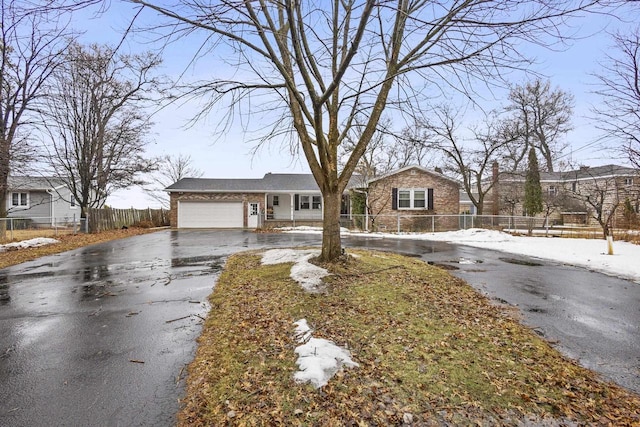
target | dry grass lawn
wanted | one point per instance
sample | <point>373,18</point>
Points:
<point>431,350</point>
<point>67,242</point>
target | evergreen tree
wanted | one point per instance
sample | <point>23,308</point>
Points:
<point>532,189</point>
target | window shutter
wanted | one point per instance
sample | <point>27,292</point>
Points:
<point>430,199</point>
<point>296,202</point>
<point>394,199</point>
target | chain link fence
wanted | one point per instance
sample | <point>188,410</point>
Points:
<point>17,228</point>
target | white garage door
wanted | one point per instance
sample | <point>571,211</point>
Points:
<point>210,215</point>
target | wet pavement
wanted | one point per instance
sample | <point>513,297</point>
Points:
<point>588,316</point>
<point>101,335</point>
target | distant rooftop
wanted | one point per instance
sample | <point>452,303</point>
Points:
<point>584,172</point>
<point>33,183</point>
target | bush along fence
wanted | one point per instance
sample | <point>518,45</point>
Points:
<point>113,219</point>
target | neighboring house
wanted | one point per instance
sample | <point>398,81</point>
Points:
<point>285,199</point>
<point>571,197</point>
<point>43,200</point>
<point>415,192</point>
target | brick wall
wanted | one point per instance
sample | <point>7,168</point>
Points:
<point>446,196</point>
<point>245,198</point>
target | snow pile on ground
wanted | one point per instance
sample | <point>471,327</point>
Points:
<point>309,276</point>
<point>310,229</point>
<point>587,253</point>
<point>472,235</point>
<point>31,243</point>
<point>318,359</point>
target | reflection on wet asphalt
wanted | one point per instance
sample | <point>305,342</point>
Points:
<point>101,335</point>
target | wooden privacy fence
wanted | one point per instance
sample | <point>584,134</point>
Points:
<point>113,219</point>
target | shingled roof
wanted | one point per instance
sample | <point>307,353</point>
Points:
<point>271,182</point>
<point>585,172</point>
<point>33,183</point>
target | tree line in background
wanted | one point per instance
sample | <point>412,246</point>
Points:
<point>337,74</point>
<point>80,112</point>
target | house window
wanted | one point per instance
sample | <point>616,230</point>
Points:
<point>553,190</point>
<point>404,199</point>
<point>628,181</point>
<point>574,186</point>
<point>276,200</point>
<point>304,202</point>
<point>415,199</point>
<point>72,202</point>
<point>316,202</point>
<point>19,199</point>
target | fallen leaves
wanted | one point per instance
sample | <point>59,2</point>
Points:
<point>67,243</point>
<point>431,351</point>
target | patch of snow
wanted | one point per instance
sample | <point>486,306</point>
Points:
<point>318,359</point>
<point>282,256</point>
<point>588,253</point>
<point>31,243</point>
<point>309,229</point>
<point>303,331</point>
<point>309,276</point>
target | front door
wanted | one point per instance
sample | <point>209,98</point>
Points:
<point>253,215</point>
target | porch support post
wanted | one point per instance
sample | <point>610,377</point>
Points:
<point>293,200</point>
<point>265,206</point>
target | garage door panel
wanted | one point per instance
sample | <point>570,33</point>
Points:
<point>210,215</point>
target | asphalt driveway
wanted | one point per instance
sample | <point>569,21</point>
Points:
<point>102,335</point>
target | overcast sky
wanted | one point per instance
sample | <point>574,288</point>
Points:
<point>230,156</point>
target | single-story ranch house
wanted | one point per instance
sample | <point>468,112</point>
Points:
<point>287,199</point>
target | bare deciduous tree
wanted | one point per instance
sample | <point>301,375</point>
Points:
<point>97,122</point>
<point>323,64</point>
<point>543,117</point>
<point>471,159</point>
<point>32,42</point>
<point>600,196</point>
<point>170,169</point>
<point>618,113</point>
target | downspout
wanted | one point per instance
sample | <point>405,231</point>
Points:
<point>52,210</point>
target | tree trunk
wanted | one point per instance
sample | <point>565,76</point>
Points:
<point>331,244</point>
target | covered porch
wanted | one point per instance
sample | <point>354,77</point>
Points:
<point>299,207</point>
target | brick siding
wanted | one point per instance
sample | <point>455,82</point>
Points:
<point>446,196</point>
<point>245,198</point>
